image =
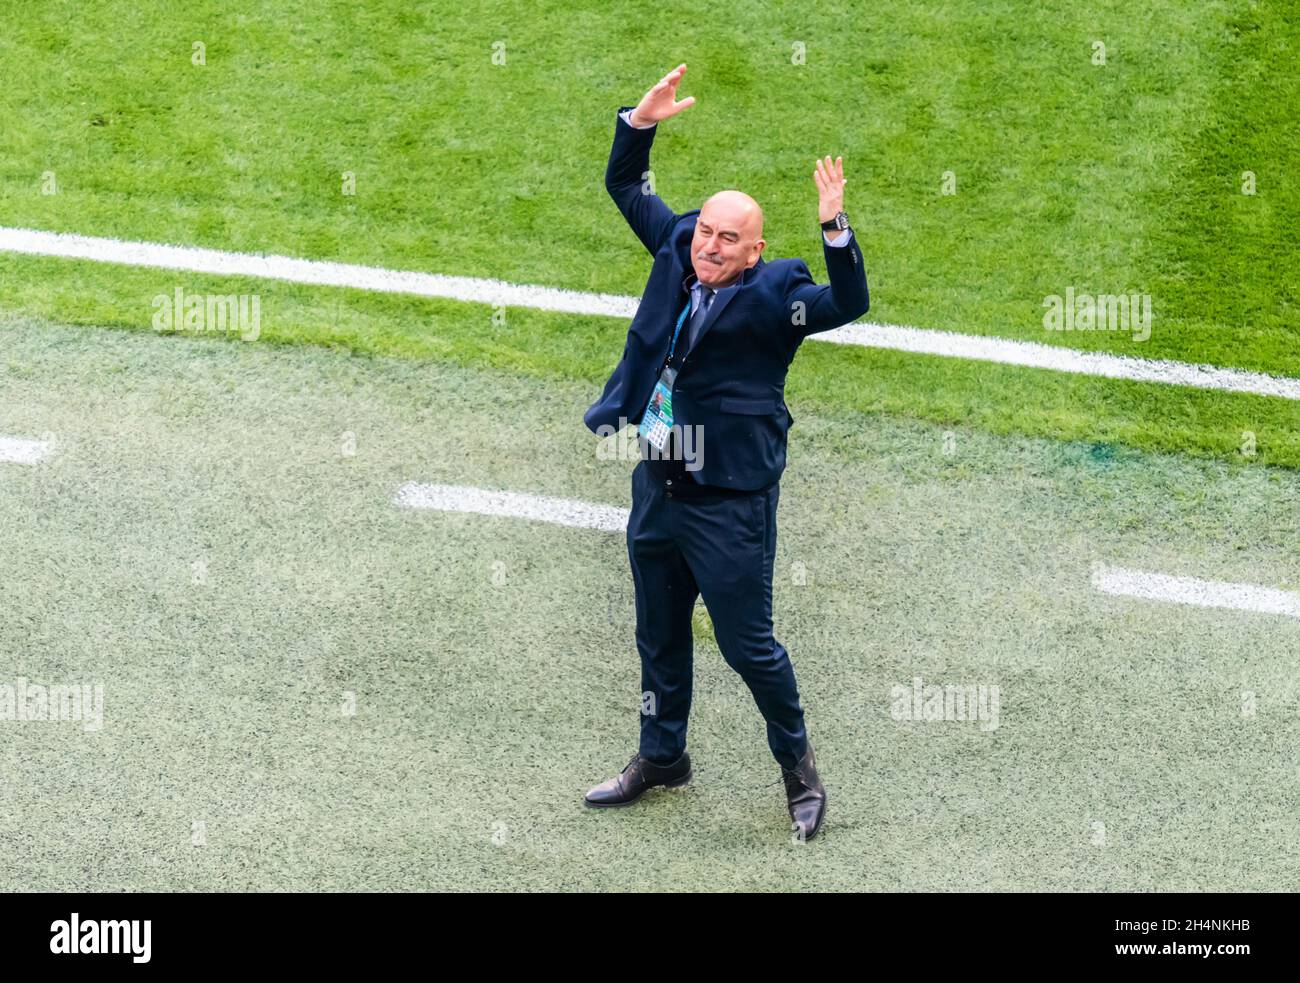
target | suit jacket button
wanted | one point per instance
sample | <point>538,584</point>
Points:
<point>668,481</point>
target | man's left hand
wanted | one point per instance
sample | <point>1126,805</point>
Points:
<point>830,188</point>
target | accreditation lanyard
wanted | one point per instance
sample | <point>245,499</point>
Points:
<point>657,420</point>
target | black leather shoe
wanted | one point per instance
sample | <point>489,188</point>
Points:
<point>805,795</point>
<point>638,775</point>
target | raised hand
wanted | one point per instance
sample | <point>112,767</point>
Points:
<point>830,188</point>
<point>660,102</point>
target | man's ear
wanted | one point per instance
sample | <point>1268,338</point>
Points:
<point>754,258</point>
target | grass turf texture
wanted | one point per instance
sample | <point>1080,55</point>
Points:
<point>1115,178</point>
<point>465,762</point>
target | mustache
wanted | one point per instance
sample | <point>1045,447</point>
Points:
<point>710,257</point>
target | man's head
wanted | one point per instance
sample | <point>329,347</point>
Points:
<point>728,238</point>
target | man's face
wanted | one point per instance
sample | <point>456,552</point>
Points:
<point>728,238</point>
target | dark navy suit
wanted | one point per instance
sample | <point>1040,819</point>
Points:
<point>708,526</point>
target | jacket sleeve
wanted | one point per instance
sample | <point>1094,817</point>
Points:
<point>812,308</point>
<point>627,181</point>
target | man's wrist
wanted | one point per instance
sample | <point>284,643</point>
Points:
<point>837,222</point>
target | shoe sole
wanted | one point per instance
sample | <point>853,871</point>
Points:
<point>675,783</point>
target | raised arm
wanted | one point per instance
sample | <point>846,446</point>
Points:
<point>627,176</point>
<point>816,308</point>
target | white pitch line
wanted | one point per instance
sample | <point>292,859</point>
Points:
<point>1058,359</point>
<point>318,272</point>
<point>465,498</point>
<point>1191,590</point>
<point>916,340</point>
<point>16,450</point>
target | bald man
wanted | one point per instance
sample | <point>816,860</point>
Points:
<point>702,377</point>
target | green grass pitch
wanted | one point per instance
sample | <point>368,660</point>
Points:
<point>307,687</point>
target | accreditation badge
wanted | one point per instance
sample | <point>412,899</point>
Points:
<point>657,421</point>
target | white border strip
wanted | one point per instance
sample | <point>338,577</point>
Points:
<point>916,340</point>
<point>16,450</point>
<point>1191,590</point>
<point>560,511</point>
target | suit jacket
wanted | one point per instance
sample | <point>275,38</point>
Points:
<point>731,384</point>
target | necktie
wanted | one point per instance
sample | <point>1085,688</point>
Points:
<point>701,312</point>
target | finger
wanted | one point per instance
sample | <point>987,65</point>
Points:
<point>684,104</point>
<point>839,167</point>
<point>825,173</point>
<point>828,168</point>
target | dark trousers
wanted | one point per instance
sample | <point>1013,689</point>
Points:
<point>684,541</point>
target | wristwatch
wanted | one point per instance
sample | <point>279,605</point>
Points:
<point>840,221</point>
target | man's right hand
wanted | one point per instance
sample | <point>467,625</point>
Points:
<point>659,103</point>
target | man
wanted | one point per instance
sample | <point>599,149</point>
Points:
<point>707,353</point>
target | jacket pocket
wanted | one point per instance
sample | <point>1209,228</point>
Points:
<point>750,407</point>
